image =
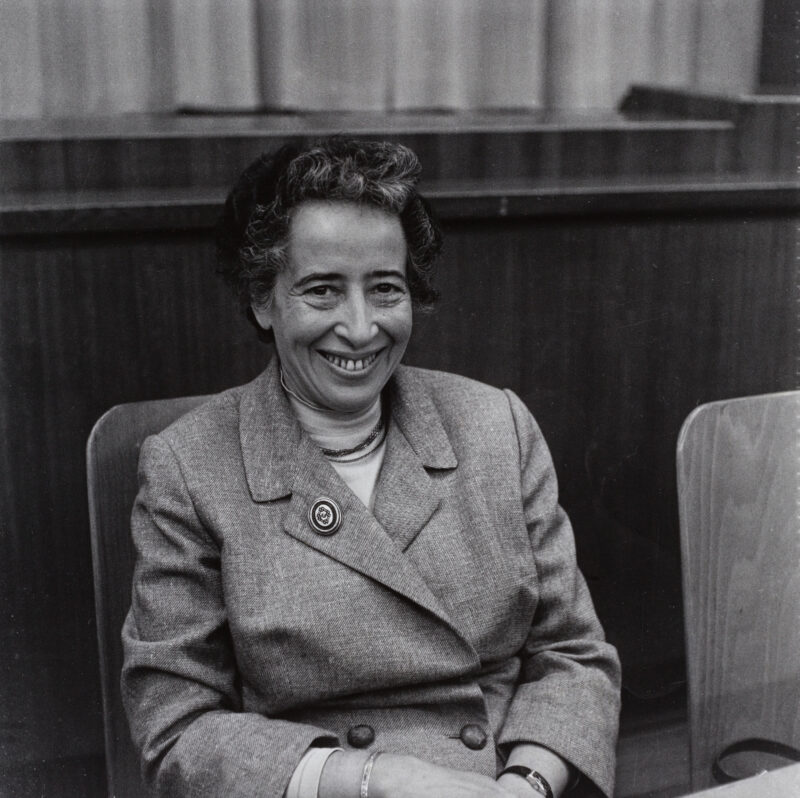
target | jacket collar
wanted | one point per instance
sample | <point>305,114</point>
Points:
<point>414,411</point>
<point>274,447</point>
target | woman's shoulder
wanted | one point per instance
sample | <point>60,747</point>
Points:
<point>482,422</point>
<point>462,399</point>
<point>449,386</point>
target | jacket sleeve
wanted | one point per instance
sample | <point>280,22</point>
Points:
<point>179,679</point>
<point>568,696</point>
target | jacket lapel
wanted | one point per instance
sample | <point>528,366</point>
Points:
<point>270,437</point>
<point>407,496</point>
<point>281,460</point>
<point>361,543</point>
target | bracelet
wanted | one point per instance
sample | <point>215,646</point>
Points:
<point>534,779</point>
<point>367,772</point>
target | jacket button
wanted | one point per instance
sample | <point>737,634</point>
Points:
<point>473,736</point>
<point>361,736</point>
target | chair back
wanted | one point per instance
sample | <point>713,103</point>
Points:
<point>112,455</point>
<point>738,465</point>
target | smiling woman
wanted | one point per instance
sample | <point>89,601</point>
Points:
<point>340,310</point>
<point>353,577</point>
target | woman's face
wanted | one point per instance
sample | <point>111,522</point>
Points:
<point>340,310</point>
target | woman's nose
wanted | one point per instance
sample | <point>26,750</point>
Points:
<point>357,325</point>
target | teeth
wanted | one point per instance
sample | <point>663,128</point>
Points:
<point>348,364</point>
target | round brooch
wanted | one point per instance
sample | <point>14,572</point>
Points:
<point>325,516</point>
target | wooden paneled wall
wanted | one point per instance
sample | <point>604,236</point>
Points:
<point>611,329</point>
<point>612,308</point>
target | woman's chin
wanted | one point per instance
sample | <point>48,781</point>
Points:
<point>353,400</point>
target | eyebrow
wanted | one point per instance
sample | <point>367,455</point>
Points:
<point>315,277</point>
<point>388,273</point>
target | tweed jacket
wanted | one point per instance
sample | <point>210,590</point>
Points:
<point>455,603</point>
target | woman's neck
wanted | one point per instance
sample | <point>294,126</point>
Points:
<point>330,429</point>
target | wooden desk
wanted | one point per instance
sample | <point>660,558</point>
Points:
<point>783,783</point>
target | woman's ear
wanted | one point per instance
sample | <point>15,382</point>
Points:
<point>262,314</point>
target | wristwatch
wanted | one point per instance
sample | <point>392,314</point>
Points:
<point>535,779</point>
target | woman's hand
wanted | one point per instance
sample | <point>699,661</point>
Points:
<point>398,776</point>
<point>401,776</point>
<point>516,786</point>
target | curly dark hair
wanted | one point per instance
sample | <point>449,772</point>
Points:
<point>252,233</point>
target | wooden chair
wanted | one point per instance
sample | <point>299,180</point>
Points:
<point>739,494</point>
<point>112,455</point>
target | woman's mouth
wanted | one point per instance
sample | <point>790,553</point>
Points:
<point>353,365</point>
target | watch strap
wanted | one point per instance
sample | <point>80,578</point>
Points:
<point>533,777</point>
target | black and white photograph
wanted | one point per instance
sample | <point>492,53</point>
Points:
<point>399,398</point>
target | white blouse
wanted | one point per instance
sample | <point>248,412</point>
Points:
<point>345,431</point>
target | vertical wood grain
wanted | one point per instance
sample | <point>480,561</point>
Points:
<point>740,534</point>
<point>614,333</point>
<point>112,453</point>
<point>85,324</point>
<point>542,151</point>
<point>780,35</point>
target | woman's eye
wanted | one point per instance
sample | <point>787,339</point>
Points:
<point>389,288</point>
<point>320,291</point>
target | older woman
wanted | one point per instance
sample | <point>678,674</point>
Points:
<point>353,577</point>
